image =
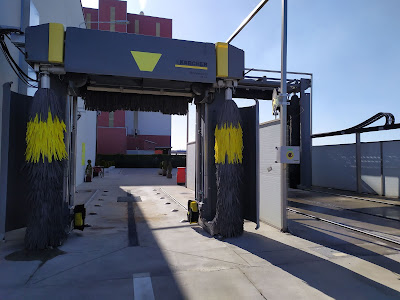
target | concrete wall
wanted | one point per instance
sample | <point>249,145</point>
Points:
<point>270,175</point>
<point>335,167</point>
<point>191,165</point>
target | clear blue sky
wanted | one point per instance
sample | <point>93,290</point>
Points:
<point>351,46</point>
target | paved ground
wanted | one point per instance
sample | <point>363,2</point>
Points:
<point>176,260</point>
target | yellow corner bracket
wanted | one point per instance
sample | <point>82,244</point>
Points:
<point>56,43</point>
<point>222,59</point>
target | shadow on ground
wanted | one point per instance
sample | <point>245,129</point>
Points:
<point>325,276</point>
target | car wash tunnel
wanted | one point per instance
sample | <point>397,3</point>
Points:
<point>117,71</point>
<point>146,73</point>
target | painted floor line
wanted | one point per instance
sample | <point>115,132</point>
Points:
<point>142,287</point>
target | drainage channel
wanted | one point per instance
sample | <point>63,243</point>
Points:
<point>345,226</point>
<point>172,198</point>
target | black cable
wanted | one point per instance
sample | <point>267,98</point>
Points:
<point>24,80</point>
<point>5,48</point>
<point>248,71</point>
<point>24,53</point>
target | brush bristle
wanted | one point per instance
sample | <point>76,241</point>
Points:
<point>44,167</point>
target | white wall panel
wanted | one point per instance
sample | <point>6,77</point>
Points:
<point>270,175</point>
<point>191,165</point>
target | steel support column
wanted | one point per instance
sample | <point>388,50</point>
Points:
<point>199,156</point>
<point>73,149</point>
<point>358,162</point>
<point>305,137</point>
<point>283,115</point>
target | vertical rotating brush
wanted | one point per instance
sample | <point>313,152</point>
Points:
<point>228,220</point>
<point>45,158</point>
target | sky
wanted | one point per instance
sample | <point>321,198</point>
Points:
<point>352,47</point>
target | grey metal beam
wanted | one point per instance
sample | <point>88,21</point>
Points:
<point>247,20</point>
<point>275,71</point>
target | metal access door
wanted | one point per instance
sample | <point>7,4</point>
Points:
<point>249,185</point>
<point>14,186</point>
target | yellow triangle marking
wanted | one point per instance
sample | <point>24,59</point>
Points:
<point>146,61</point>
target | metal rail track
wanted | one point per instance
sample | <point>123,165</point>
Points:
<point>323,204</point>
<point>315,218</point>
<point>353,197</point>
<point>366,232</point>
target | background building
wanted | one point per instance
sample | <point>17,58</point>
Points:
<point>128,132</point>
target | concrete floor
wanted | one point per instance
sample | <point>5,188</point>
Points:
<point>181,261</point>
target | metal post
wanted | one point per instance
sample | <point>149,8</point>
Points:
<point>187,128</point>
<point>67,169</point>
<point>358,162</point>
<point>257,163</point>
<point>382,176</point>
<point>207,191</point>
<point>73,149</point>
<point>199,155</point>
<point>283,111</point>
<point>187,142</point>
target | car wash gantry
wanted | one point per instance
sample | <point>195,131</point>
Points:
<point>118,71</point>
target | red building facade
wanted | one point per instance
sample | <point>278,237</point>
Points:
<point>122,132</point>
